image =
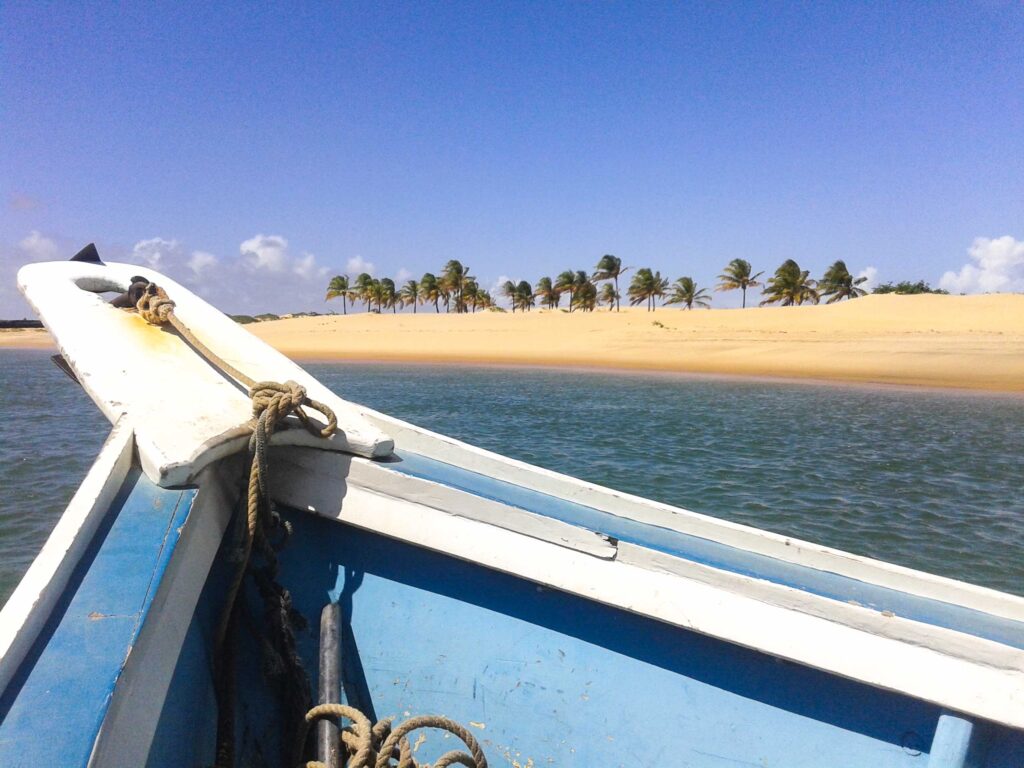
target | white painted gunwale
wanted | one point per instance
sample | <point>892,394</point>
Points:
<point>950,669</point>
<point>30,606</point>
<point>784,548</point>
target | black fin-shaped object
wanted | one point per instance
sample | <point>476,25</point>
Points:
<point>89,255</point>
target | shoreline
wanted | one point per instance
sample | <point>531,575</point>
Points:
<point>968,343</point>
<point>598,370</point>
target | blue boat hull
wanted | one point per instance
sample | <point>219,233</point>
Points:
<point>546,678</point>
<point>543,677</point>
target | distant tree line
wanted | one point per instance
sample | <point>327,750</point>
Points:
<point>457,290</point>
<point>907,287</point>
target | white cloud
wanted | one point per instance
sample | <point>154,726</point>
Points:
<point>871,273</point>
<point>306,266</point>
<point>265,252</point>
<point>403,275</point>
<point>155,252</point>
<point>38,248</point>
<point>357,265</point>
<point>996,265</point>
<point>201,260</point>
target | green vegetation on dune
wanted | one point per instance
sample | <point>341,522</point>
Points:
<point>907,287</point>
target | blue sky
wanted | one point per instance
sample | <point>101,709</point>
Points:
<point>522,139</point>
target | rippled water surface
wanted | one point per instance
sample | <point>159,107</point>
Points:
<point>926,479</point>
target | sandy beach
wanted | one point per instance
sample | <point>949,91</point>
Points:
<point>973,342</point>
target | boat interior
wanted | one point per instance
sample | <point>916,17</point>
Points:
<point>542,677</point>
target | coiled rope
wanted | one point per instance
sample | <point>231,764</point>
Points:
<point>366,745</point>
<point>376,746</point>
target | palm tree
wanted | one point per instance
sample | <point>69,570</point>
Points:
<point>374,294</point>
<point>566,283</point>
<point>339,286</point>
<point>484,300</point>
<point>547,293</point>
<point>660,287</point>
<point>737,275</point>
<point>524,295</point>
<point>586,297</point>
<point>840,284</point>
<point>647,286</point>
<point>685,292</point>
<point>362,288</point>
<point>390,294</point>
<point>508,290</point>
<point>429,290</point>
<point>410,294</point>
<point>790,286</point>
<point>609,268</point>
<point>456,276</point>
<point>444,288</point>
<point>470,290</point>
<point>609,296</point>
<point>640,287</point>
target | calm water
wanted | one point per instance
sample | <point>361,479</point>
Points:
<point>925,479</point>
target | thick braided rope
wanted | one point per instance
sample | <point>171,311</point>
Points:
<point>272,403</point>
<point>378,746</point>
<point>367,745</point>
<point>475,759</point>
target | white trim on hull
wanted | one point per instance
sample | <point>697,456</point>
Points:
<point>946,667</point>
<point>29,607</point>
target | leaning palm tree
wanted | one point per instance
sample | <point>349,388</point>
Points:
<point>839,284</point>
<point>586,297</point>
<point>791,286</point>
<point>390,293</point>
<point>685,292</point>
<point>609,296</point>
<point>737,275</point>
<point>470,291</point>
<point>508,290</point>
<point>609,268</point>
<point>339,286</point>
<point>410,295</point>
<point>566,283</point>
<point>647,286</point>
<point>524,296</point>
<point>641,287</point>
<point>375,294</point>
<point>456,275</point>
<point>547,293</point>
<point>659,289</point>
<point>362,288</point>
<point>430,291</point>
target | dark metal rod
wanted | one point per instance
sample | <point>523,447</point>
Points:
<point>327,743</point>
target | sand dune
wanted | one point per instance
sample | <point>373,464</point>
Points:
<point>974,342</point>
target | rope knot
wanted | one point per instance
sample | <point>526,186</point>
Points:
<point>154,305</point>
<point>273,401</point>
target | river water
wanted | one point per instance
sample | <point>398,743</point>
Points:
<point>926,479</point>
